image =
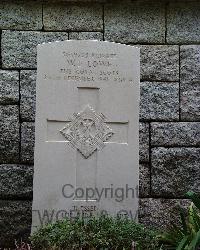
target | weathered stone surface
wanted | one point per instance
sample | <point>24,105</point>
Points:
<point>28,95</point>
<point>16,181</point>
<point>73,17</point>
<point>160,62</point>
<point>175,134</point>
<point>160,213</point>
<point>183,22</point>
<point>27,142</point>
<point>159,101</point>
<point>190,68</point>
<point>144,142</point>
<point>19,47</point>
<point>9,87</point>
<point>190,82</point>
<point>24,16</point>
<point>144,182</point>
<point>137,22</point>
<point>86,36</point>
<point>175,171</point>
<point>15,221</point>
<point>9,136</point>
<point>190,102</point>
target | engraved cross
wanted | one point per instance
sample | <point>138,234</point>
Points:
<point>87,132</point>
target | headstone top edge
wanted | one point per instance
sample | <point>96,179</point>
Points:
<point>88,41</point>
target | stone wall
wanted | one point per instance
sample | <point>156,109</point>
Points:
<point>168,34</point>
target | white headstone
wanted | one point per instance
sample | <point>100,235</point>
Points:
<point>87,116</point>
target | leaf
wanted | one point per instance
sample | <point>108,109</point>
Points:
<point>195,242</point>
<point>183,243</point>
<point>194,197</point>
<point>193,219</point>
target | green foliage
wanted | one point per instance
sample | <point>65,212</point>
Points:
<point>187,235</point>
<point>96,233</point>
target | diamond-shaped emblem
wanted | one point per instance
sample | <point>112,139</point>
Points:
<point>87,131</point>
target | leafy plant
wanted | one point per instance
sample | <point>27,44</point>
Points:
<point>187,235</point>
<point>103,233</point>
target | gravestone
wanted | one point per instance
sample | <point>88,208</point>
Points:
<point>86,134</point>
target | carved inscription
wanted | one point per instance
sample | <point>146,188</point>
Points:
<point>89,67</point>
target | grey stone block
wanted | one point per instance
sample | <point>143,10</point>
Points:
<point>160,213</point>
<point>175,134</point>
<point>144,181</point>
<point>159,101</point>
<point>175,171</point>
<point>28,94</point>
<point>16,181</point>
<point>18,15</point>
<point>19,47</point>
<point>9,87</point>
<point>159,62</point>
<point>86,36</point>
<point>190,82</point>
<point>190,68</point>
<point>183,22</point>
<point>190,102</point>
<point>135,22</point>
<point>27,142</point>
<point>73,17</point>
<point>15,221</point>
<point>144,142</point>
<point>9,136</point>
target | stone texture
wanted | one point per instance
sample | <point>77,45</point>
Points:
<point>175,134</point>
<point>160,62</point>
<point>175,171</point>
<point>19,47</point>
<point>190,82</point>
<point>190,68</point>
<point>9,136</point>
<point>73,17</point>
<point>144,181</point>
<point>16,181</point>
<point>190,102</point>
<point>135,23</point>
<point>183,22</point>
<point>23,16</point>
<point>86,36</point>
<point>27,142</point>
<point>159,101</point>
<point>9,87</point>
<point>160,213</point>
<point>15,221</point>
<point>28,95</point>
<point>144,142</point>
